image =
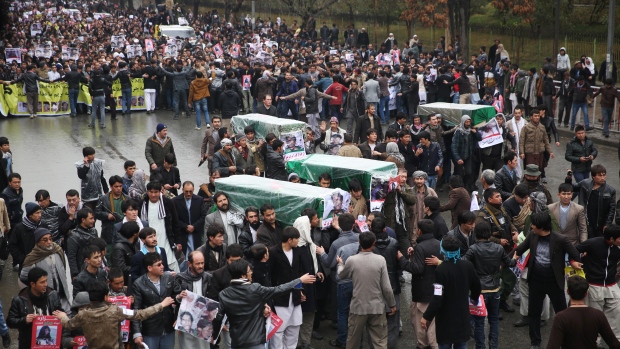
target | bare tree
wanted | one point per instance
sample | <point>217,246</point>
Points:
<point>307,8</point>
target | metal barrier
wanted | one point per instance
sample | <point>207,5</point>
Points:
<point>596,120</point>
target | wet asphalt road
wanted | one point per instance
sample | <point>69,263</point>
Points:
<point>46,148</point>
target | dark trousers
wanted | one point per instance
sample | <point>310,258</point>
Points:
<point>494,163</point>
<point>564,109</point>
<point>509,280</point>
<point>541,286</point>
<point>110,102</point>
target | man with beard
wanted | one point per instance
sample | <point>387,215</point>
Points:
<point>398,208</point>
<point>355,104</point>
<point>231,221</point>
<point>79,238</point>
<point>48,256</point>
<point>533,141</point>
<point>195,280</point>
<point>22,241</point>
<point>224,161</point>
<point>463,144</point>
<point>270,232</point>
<point>502,232</point>
<point>67,216</point>
<point>248,235</point>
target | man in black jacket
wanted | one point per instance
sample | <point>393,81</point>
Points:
<point>545,269</point>
<point>248,235</point>
<point>151,289</point>
<point>97,88</point>
<point>109,210</point>
<point>214,248</point>
<point>431,211</point>
<point>287,264</point>
<point>368,121</point>
<point>73,78</point>
<point>31,88</point>
<point>192,212</point>
<point>151,85</point>
<point>124,76</point>
<point>275,167</point>
<point>22,312</point>
<point>244,305</point>
<point>423,277</point>
<point>22,241</point>
<point>125,248</point>
<point>93,270</point>
<point>506,178</point>
<point>229,102</point>
<point>67,215</point>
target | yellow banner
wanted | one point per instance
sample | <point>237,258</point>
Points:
<point>54,98</point>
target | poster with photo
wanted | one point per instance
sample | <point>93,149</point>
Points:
<point>81,342</point>
<point>235,51</point>
<point>196,315</point>
<point>384,59</point>
<point>217,49</point>
<point>117,41</point>
<point>125,304</point>
<point>148,44</point>
<point>293,145</point>
<point>247,82</point>
<point>74,53</point>
<point>379,188</point>
<point>129,51</point>
<point>335,203</point>
<point>35,29</point>
<point>396,56</point>
<point>137,49</point>
<point>490,133</point>
<point>183,21</point>
<point>172,48</point>
<point>46,332</point>
<point>13,55</point>
<point>334,143</point>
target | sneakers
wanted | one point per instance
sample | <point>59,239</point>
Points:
<point>32,116</point>
<point>197,128</point>
<point>6,341</point>
<point>208,125</point>
<point>176,117</point>
<point>90,126</point>
<point>102,126</point>
<point>589,128</point>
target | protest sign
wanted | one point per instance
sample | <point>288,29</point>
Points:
<point>293,145</point>
<point>247,82</point>
<point>81,342</point>
<point>183,21</point>
<point>196,315</point>
<point>172,49</point>
<point>273,324</point>
<point>46,332</point>
<point>13,55</point>
<point>148,44</point>
<point>336,203</point>
<point>125,304</point>
<point>379,188</point>
<point>490,134</point>
<point>35,29</point>
<point>235,51</point>
<point>217,49</point>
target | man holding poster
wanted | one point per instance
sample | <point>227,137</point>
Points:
<point>35,300</point>
<point>100,321</point>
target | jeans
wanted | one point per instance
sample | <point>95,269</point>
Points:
<point>3,329</point>
<point>334,110</point>
<point>607,117</point>
<point>160,342</point>
<point>456,97</point>
<point>453,346</point>
<point>401,105</point>
<point>98,104</point>
<point>169,98</point>
<point>491,300</point>
<point>580,176</point>
<point>431,181</point>
<point>384,109</point>
<point>345,293</point>
<point>73,98</point>
<point>584,110</point>
<point>126,100</point>
<point>199,106</point>
<point>179,95</point>
<point>286,106</point>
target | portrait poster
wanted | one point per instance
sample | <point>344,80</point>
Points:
<point>247,82</point>
<point>335,203</point>
<point>196,315</point>
<point>35,29</point>
<point>183,21</point>
<point>235,51</point>
<point>46,332</point>
<point>379,188</point>
<point>490,134</point>
<point>334,144</point>
<point>13,55</point>
<point>171,48</point>
<point>148,44</point>
<point>125,304</point>
<point>117,41</point>
<point>293,147</point>
<point>396,56</point>
<point>217,49</point>
<point>129,51</point>
<point>81,342</point>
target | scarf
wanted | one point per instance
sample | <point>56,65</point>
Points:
<point>239,282</point>
<point>189,276</point>
<point>462,129</point>
<point>30,224</point>
<point>540,201</point>
<point>79,207</point>
<point>305,238</point>
<point>245,151</point>
<point>38,254</point>
<point>415,129</point>
<point>145,251</point>
<point>39,302</point>
<point>139,221</point>
<point>512,79</point>
<point>229,159</point>
<point>454,255</point>
<point>138,186</point>
<point>400,211</point>
<point>590,66</point>
<point>160,210</point>
<point>392,150</point>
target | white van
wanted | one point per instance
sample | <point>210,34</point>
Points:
<point>182,31</point>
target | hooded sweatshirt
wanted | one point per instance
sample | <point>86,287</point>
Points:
<point>198,89</point>
<point>563,61</point>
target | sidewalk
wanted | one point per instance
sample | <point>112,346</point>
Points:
<point>596,136</point>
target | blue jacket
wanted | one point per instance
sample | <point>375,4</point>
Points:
<point>328,260</point>
<point>323,84</point>
<point>288,88</point>
<point>430,158</point>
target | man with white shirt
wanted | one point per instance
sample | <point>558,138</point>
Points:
<point>248,235</point>
<point>514,126</point>
<point>159,212</point>
<point>231,221</point>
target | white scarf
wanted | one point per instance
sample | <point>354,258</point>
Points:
<point>160,210</point>
<point>305,237</point>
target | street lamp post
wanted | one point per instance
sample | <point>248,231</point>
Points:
<point>610,39</point>
<point>253,19</point>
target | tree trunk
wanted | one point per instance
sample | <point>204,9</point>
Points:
<point>464,14</point>
<point>235,10</point>
<point>304,21</point>
<point>196,6</point>
<point>408,24</point>
<point>121,4</point>
<point>130,4</point>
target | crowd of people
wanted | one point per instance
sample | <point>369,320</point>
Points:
<point>506,245</point>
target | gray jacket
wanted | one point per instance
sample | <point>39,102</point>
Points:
<point>329,260</point>
<point>179,79</point>
<point>372,91</point>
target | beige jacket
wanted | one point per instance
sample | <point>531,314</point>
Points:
<point>5,224</point>
<point>350,150</point>
<point>576,229</point>
<point>533,139</point>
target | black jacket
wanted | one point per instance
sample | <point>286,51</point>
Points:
<point>465,242</point>
<point>229,104</point>
<point>21,242</point>
<point>388,248</point>
<point>441,228</point>
<point>367,152</point>
<point>282,272</point>
<point>221,280</point>
<point>411,161</point>
<point>600,261</point>
<point>84,278</point>
<point>246,241</point>
<point>145,295</point>
<point>65,225</point>
<point>606,203</point>
<point>13,201</point>
<point>504,183</point>
<point>575,150</point>
<point>244,305</point>
<point>150,83</point>
<point>558,247</point>
<point>184,280</point>
<point>260,109</point>
<point>74,78</point>
<point>311,100</point>
<point>122,255</point>
<point>487,257</point>
<point>104,207</point>
<point>197,212</point>
<point>21,306</point>
<point>137,267</point>
<point>275,168</point>
<point>171,220</point>
<point>422,275</point>
<point>363,124</point>
<point>211,263</point>
<point>78,239</point>
<point>98,86</point>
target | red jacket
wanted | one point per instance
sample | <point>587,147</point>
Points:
<point>336,89</point>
